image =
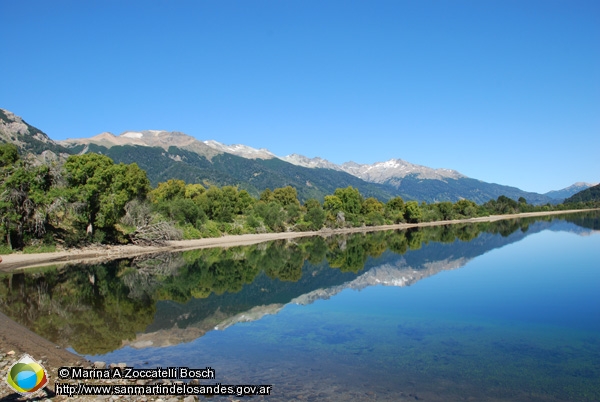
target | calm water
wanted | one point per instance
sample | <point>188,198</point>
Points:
<point>509,313</point>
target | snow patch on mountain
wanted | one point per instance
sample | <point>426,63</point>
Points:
<point>300,160</point>
<point>241,150</point>
<point>382,172</point>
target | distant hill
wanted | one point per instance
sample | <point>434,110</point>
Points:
<point>178,155</point>
<point>167,155</point>
<point>253,175</point>
<point>590,194</point>
<point>566,192</point>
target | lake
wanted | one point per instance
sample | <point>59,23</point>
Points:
<point>503,311</point>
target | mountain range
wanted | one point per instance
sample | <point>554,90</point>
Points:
<point>174,155</point>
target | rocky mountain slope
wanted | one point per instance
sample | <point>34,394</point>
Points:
<point>29,140</point>
<point>390,172</point>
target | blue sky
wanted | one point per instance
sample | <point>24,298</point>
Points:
<point>502,91</point>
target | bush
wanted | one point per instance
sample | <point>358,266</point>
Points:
<point>190,232</point>
<point>210,229</point>
<point>374,219</point>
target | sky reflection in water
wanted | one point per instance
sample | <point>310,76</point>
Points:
<point>521,322</point>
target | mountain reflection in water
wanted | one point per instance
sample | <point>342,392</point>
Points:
<point>169,299</point>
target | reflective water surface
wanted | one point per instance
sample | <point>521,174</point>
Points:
<point>505,311</point>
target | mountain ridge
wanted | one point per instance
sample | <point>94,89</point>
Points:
<point>395,177</point>
<point>181,156</point>
<point>570,190</point>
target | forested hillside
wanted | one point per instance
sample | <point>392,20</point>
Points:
<point>587,195</point>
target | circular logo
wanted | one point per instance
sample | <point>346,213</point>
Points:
<point>26,376</point>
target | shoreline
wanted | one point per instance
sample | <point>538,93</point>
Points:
<point>102,253</point>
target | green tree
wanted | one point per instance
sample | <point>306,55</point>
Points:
<point>9,154</point>
<point>286,196</point>
<point>351,199</point>
<point>103,188</point>
<point>446,210</point>
<point>413,213</point>
<point>272,214</point>
<point>394,209</point>
<point>372,204</point>
<point>315,215</point>
<point>332,204</point>
<point>465,208</point>
<point>267,196</point>
<point>23,201</point>
<point>193,191</point>
<point>169,190</point>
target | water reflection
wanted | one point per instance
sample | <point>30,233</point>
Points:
<point>517,323</point>
<point>170,298</point>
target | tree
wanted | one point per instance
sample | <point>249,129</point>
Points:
<point>394,209</point>
<point>103,188</point>
<point>351,199</point>
<point>465,208</point>
<point>286,196</point>
<point>271,213</point>
<point>413,213</point>
<point>193,191</point>
<point>332,204</point>
<point>267,196</point>
<point>315,215</point>
<point>372,204</point>
<point>395,204</point>
<point>171,190</point>
<point>23,201</point>
<point>505,205</point>
<point>9,154</point>
<point>446,210</point>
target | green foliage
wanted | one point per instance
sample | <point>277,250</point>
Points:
<point>223,204</point>
<point>371,205</point>
<point>351,200</point>
<point>413,213</point>
<point>9,154</point>
<point>315,215</point>
<point>465,209</point>
<point>24,201</point>
<point>333,204</point>
<point>286,196</point>
<point>272,214</point>
<point>115,199</point>
<point>374,219</point>
<point>168,191</point>
<point>210,229</point>
<point>190,232</point>
<point>103,187</point>
<point>446,210</point>
<point>587,195</point>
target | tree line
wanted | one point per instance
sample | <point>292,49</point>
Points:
<point>90,199</point>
